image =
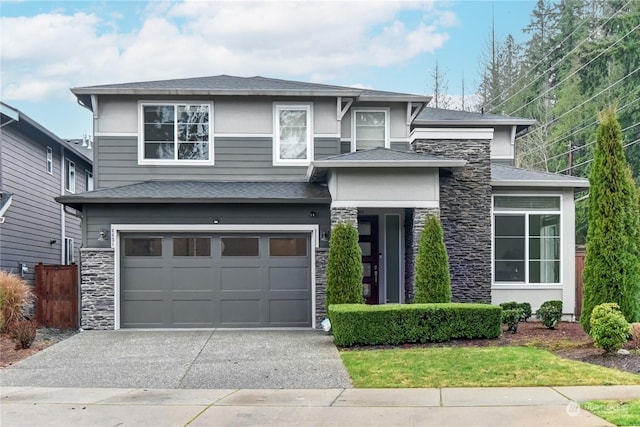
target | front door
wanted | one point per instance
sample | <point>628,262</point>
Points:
<point>368,239</point>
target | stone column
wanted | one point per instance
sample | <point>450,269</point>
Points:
<point>344,215</point>
<point>322,259</point>
<point>414,223</point>
<point>465,213</point>
<point>97,288</point>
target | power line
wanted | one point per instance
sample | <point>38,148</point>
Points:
<point>591,160</point>
<point>588,37</point>
<point>576,71</point>
<point>577,129</point>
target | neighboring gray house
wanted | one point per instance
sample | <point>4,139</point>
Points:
<point>215,198</point>
<point>35,167</point>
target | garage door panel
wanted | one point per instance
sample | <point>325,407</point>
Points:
<point>192,278</point>
<point>290,312</point>
<point>288,278</point>
<point>192,313</point>
<point>143,314</point>
<point>240,278</point>
<point>144,295</point>
<point>240,312</point>
<point>143,278</point>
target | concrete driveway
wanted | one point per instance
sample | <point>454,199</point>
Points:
<point>220,359</point>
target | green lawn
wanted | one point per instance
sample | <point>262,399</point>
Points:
<point>616,412</point>
<point>474,367</point>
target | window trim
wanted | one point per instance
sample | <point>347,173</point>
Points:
<point>69,251</point>
<point>174,162</point>
<point>280,106</point>
<point>69,167</point>
<point>387,125</point>
<point>88,177</point>
<point>526,284</point>
<point>49,161</point>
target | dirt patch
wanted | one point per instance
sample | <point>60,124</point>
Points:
<point>45,337</point>
<point>568,340</point>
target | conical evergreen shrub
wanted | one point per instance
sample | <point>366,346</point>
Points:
<point>612,264</point>
<point>433,282</point>
<point>344,269</point>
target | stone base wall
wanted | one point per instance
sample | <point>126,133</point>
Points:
<point>414,223</point>
<point>344,215</point>
<point>465,212</point>
<point>97,288</point>
<point>322,259</point>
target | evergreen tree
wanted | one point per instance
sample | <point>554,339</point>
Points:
<point>612,264</point>
<point>433,282</point>
<point>344,268</point>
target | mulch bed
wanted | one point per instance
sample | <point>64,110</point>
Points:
<point>45,337</point>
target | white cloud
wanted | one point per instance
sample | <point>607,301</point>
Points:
<point>44,55</point>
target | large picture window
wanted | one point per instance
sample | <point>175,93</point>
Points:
<point>370,129</point>
<point>292,134</point>
<point>176,134</point>
<point>526,242</point>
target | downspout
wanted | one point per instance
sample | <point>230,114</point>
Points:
<point>63,218</point>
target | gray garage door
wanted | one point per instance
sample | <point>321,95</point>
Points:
<point>214,280</point>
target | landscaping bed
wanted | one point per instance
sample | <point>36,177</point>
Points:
<point>45,337</point>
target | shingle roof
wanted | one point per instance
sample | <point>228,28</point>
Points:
<point>203,192</point>
<point>509,176</point>
<point>233,85</point>
<point>82,145</point>
<point>439,116</point>
<point>378,158</point>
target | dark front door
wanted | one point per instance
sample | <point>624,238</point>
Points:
<point>368,231</point>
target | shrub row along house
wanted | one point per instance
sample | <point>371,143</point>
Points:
<point>35,167</point>
<point>215,199</point>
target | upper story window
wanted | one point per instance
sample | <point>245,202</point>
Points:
<point>69,176</point>
<point>175,133</point>
<point>369,129</point>
<point>527,239</point>
<point>292,134</point>
<point>49,160</point>
<point>89,180</point>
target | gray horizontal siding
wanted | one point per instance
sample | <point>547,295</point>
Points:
<point>401,146</point>
<point>236,159</point>
<point>100,217</point>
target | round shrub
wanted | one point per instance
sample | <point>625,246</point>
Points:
<point>550,313</point>
<point>511,318</point>
<point>609,328</point>
<point>344,268</point>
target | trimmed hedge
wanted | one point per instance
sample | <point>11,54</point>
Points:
<point>392,324</point>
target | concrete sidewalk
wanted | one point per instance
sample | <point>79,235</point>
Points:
<point>495,407</point>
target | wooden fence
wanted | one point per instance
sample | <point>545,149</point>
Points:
<point>580,254</point>
<point>57,295</point>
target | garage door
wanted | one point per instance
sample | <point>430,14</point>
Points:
<point>215,280</point>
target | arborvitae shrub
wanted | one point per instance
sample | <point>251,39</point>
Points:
<point>432,279</point>
<point>612,264</point>
<point>344,268</point>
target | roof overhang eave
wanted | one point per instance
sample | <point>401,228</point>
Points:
<point>479,122</point>
<point>396,98</point>
<point>212,92</point>
<point>444,163</point>
<point>540,183</point>
<point>75,202</point>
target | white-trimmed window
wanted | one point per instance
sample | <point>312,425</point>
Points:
<point>527,239</point>
<point>175,133</point>
<point>369,128</point>
<point>89,180</point>
<point>68,250</point>
<point>50,160</point>
<point>292,139</point>
<point>69,176</point>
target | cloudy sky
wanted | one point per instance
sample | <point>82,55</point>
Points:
<point>47,47</point>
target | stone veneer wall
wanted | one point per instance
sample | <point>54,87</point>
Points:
<point>97,288</point>
<point>344,215</point>
<point>414,223</point>
<point>322,258</point>
<point>465,212</point>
